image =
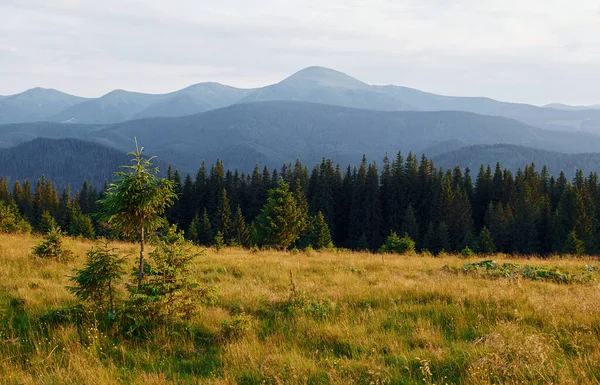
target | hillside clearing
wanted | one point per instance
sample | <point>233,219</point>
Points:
<point>348,318</point>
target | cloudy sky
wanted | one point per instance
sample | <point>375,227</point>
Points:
<point>535,51</point>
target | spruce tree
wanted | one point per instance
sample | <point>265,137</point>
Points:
<point>443,238</point>
<point>321,236</point>
<point>279,224</point>
<point>95,282</point>
<point>486,242</point>
<point>241,237</point>
<point>223,219</point>
<point>573,245</point>
<point>192,233</point>
<point>429,239</point>
<point>205,231</point>
<point>136,201</point>
<point>410,225</point>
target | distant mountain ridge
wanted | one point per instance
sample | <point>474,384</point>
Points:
<point>513,157</point>
<point>312,84</point>
<point>271,133</point>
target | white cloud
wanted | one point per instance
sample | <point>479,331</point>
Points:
<point>534,51</point>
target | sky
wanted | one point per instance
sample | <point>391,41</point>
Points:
<point>532,51</point>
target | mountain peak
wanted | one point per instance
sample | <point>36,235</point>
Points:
<point>323,77</point>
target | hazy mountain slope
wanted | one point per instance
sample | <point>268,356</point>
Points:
<point>14,134</point>
<point>313,84</point>
<point>194,99</point>
<point>560,106</point>
<point>327,86</point>
<point>276,132</point>
<point>514,157</point>
<point>34,105</point>
<point>119,105</point>
<point>64,161</point>
<point>556,119</point>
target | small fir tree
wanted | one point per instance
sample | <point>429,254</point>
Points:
<point>168,292</point>
<point>443,238</point>
<point>486,242</point>
<point>11,221</point>
<point>135,202</point>
<point>205,232</point>
<point>397,245</point>
<point>219,241</point>
<point>363,243</point>
<point>82,226</point>
<point>192,233</point>
<point>573,245</point>
<point>279,223</point>
<point>47,222</point>
<point>52,247</point>
<point>321,236</point>
<point>95,283</point>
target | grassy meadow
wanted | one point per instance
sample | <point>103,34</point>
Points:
<point>339,317</point>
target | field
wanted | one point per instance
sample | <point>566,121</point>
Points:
<point>317,318</point>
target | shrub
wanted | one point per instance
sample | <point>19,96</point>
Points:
<point>52,247</point>
<point>395,244</point>
<point>11,221</point>
<point>467,252</point>
<point>235,328</point>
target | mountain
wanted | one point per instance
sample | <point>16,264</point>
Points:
<point>275,132</point>
<point>312,84</point>
<point>559,106</point>
<point>549,118</point>
<point>64,161</point>
<point>514,157</point>
<point>14,134</point>
<point>327,86</point>
<point>34,105</point>
<point>119,105</point>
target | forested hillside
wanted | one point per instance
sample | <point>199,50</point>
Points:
<point>514,157</point>
<point>271,133</point>
<point>64,161</point>
<point>528,212</point>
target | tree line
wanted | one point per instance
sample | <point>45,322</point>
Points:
<point>528,212</point>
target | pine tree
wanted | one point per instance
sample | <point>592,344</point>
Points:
<point>443,238</point>
<point>95,282</point>
<point>136,201</point>
<point>279,223</point>
<point>205,231</point>
<point>429,239</point>
<point>486,242</point>
<point>192,233</point>
<point>82,226</point>
<point>410,225</point>
<point>223,219</point>
<point>574,245</point>
<point>47,222</point>
<point>241,236</point>
<point>321,236</point>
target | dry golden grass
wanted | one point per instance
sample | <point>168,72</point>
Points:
<point>358,319</point>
